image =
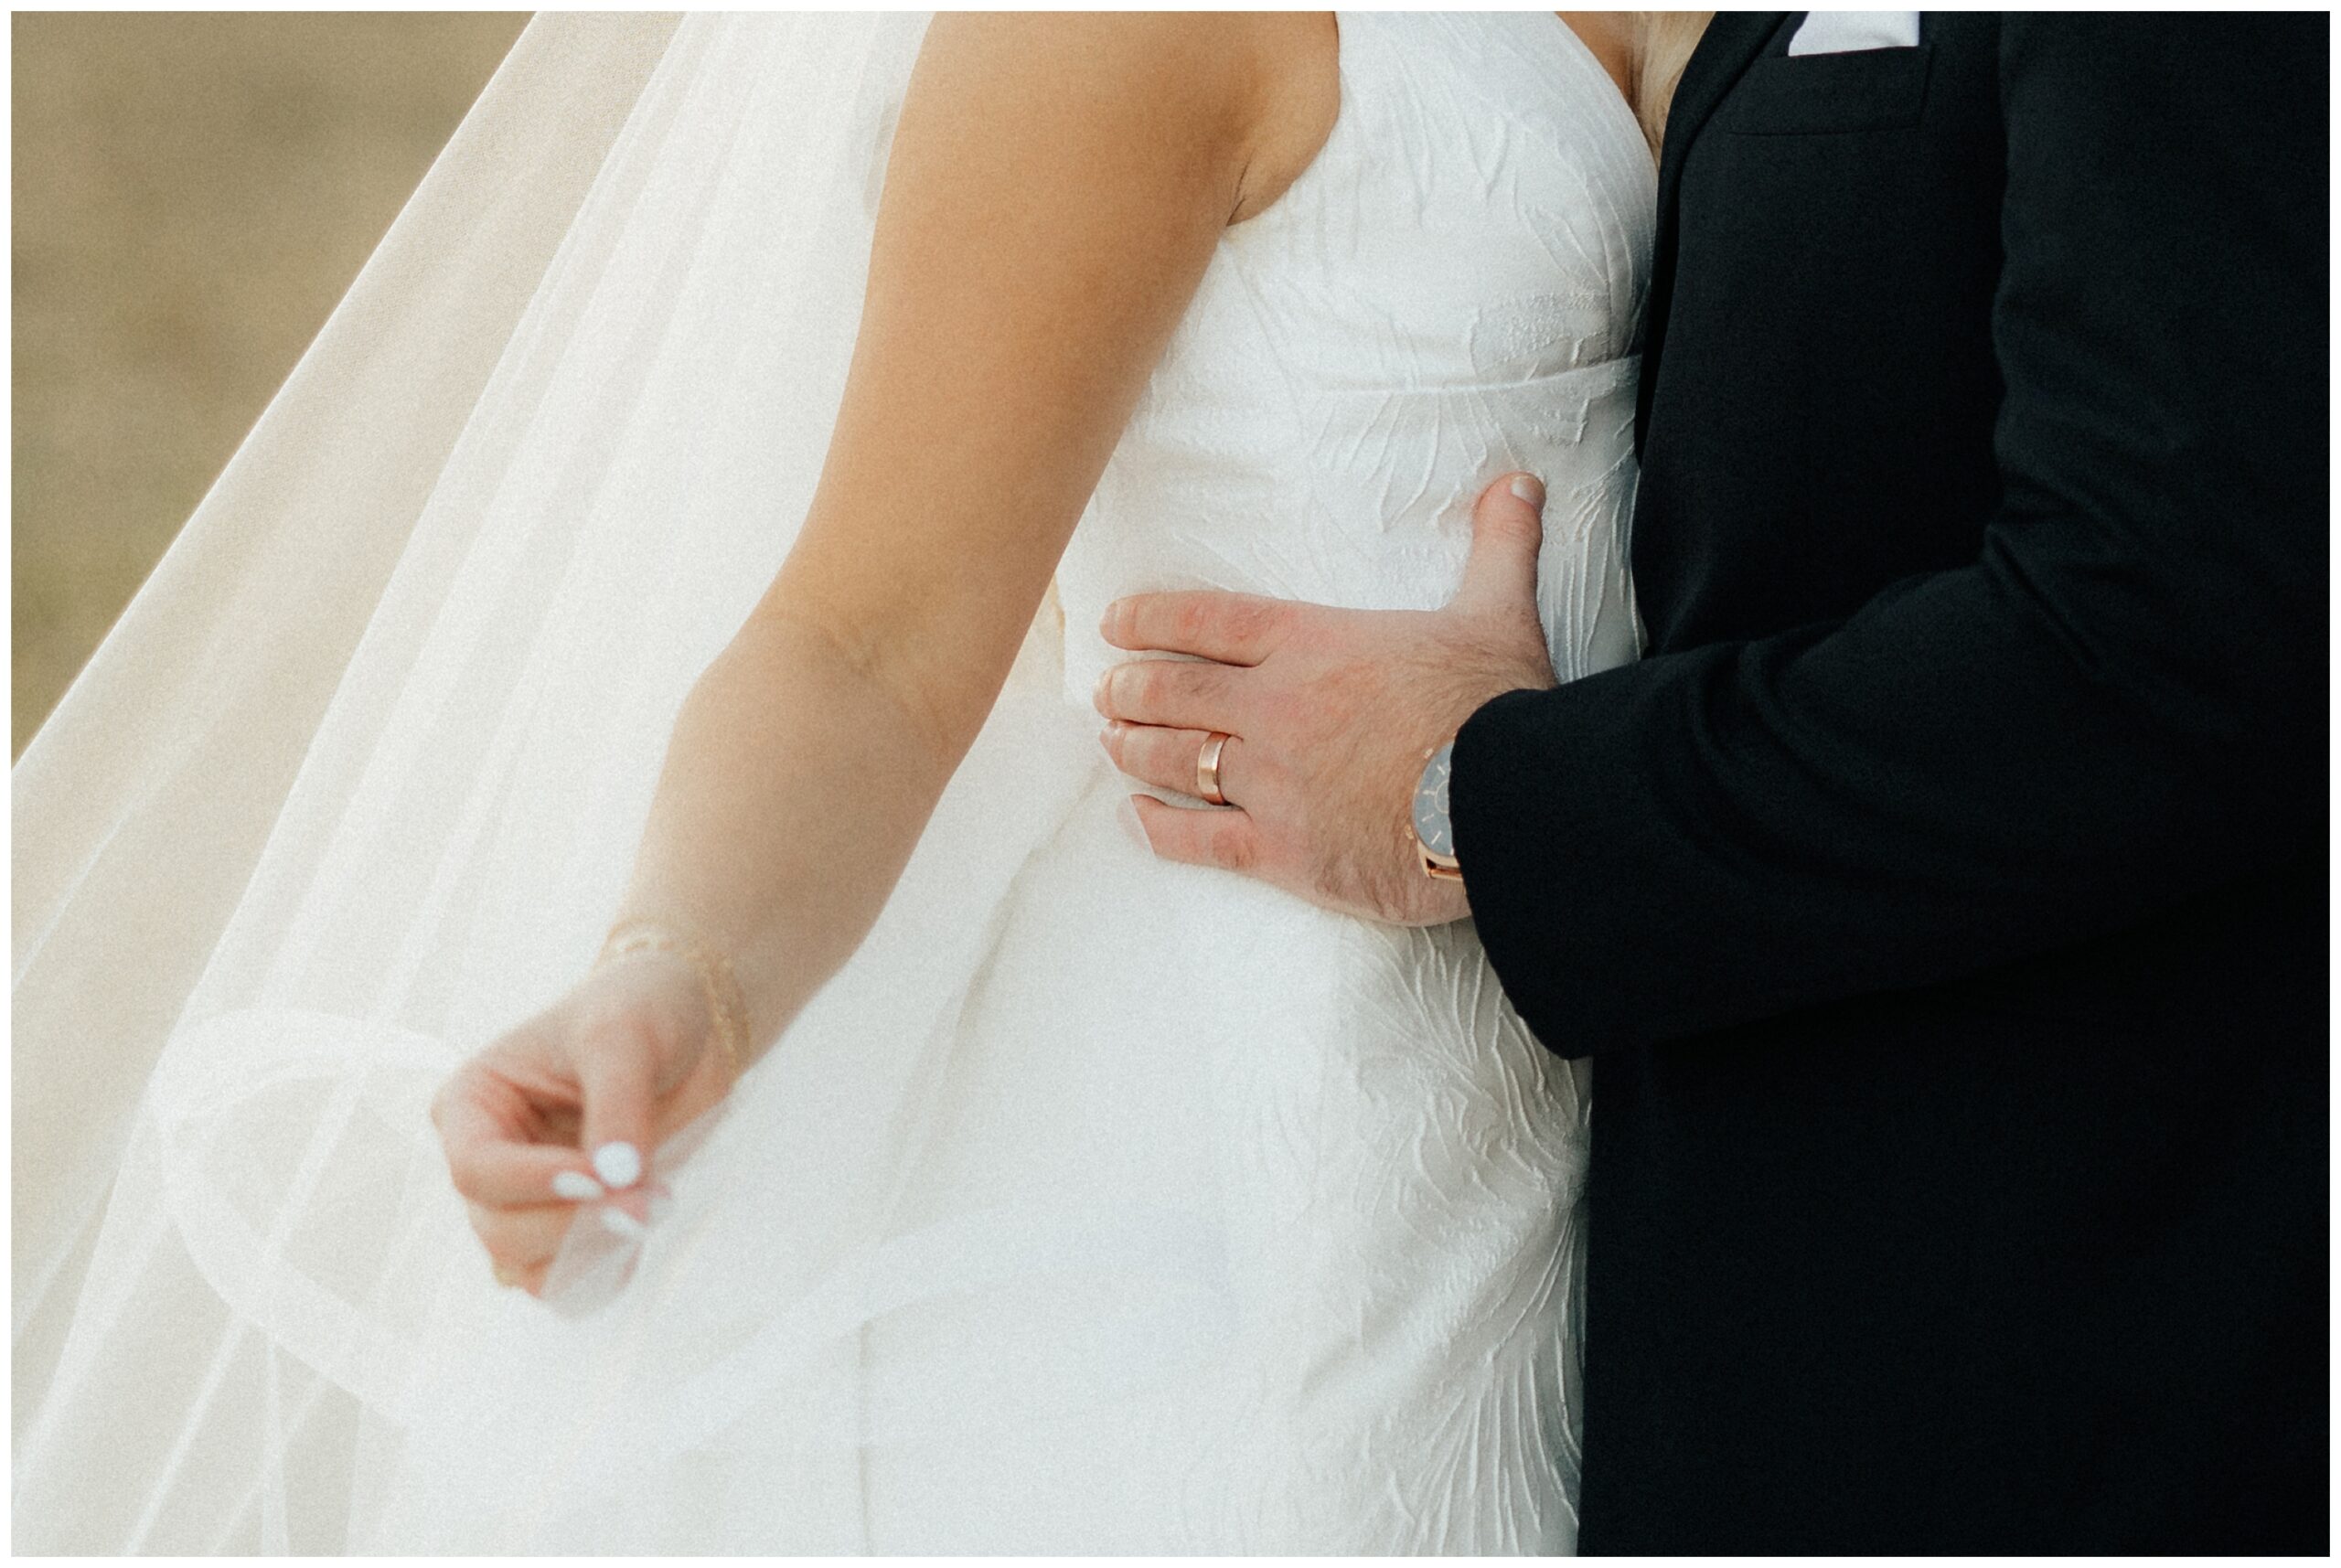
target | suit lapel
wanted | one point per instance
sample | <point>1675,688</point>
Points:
<point>1732,42</point>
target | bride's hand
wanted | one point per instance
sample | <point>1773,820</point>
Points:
<point>559,1114</point>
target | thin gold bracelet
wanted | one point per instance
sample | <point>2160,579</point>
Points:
<point>727,1009</point>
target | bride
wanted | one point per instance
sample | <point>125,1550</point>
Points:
<point>607,781</point>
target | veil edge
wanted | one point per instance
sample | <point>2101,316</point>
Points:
<point>141,805</point>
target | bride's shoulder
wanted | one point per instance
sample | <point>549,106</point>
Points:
<point>1258,90</point>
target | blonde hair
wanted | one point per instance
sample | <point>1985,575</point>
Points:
<point>1663,42</point>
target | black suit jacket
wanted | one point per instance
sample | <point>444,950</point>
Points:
<point>1942,899</point>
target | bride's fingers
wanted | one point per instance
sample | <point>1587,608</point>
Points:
<point>489,1164</point>
<point>523,1173</point>
<point>1215,836</point>
<point>1168,757</point>
<point>618,1067</point>
<point>521,1237</point>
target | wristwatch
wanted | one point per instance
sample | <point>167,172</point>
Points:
<point>1434,833</point>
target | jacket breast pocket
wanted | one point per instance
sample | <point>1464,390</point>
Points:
<point>1811,95</point>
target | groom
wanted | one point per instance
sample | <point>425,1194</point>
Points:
<point>1942,900</point>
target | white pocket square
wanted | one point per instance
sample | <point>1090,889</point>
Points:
<point>1843,32</point>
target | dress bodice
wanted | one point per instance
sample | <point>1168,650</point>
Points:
<point>1100,1202</point>
<point>1451,290</point>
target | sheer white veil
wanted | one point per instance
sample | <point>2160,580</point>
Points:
<point>354,784</point>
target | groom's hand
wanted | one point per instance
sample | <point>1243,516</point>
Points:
<point>1331,715</point>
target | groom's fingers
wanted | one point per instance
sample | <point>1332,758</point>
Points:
<point>1167,758</point>
<point>1177,694</point>
<point>1199,836</point>
<point>1507,530</point>
<point>1229,628</point>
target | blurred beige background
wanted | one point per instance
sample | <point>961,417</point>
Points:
<point>192,194</point>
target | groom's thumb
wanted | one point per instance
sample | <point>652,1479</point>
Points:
<point>1507,526</point>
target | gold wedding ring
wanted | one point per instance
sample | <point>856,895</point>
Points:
<point>1207,769</point>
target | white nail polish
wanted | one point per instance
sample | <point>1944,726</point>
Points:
<point>619,1165</point>
<point>1528,489</point>
<point>618,1222</point>
<point>1126,813</point>
<point>575,1186</point>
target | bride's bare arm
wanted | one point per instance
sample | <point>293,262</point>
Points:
<point>1056,186</point>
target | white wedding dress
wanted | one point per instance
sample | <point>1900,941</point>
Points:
<point>1101,1204</point>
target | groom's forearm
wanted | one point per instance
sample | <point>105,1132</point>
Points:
<point>1931,790</point>
<point>2117,706</point>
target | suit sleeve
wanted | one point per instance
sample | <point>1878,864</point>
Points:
<point>2119,705</point>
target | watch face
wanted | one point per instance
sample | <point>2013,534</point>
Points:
<point>1431,823</point>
